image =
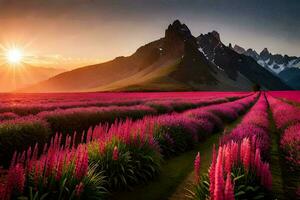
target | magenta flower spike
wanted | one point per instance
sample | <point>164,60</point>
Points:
<point>219,179</point>
<point>229,192</point>
<point>197,168</point>
<point>115,153</point>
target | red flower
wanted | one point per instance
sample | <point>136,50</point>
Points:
<point>246,153</point>
<point>228,160</point>
<point>212,173</point>
<point>15,180</point>
<point>115,153</point>
<point>81,166</point>
<point>197,168</point>
<point>228,193</point>
<point>219,179</point>
<point>79,189</point>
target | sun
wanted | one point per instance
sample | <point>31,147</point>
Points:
<point>14,56</point>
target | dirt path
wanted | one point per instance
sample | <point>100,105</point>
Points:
<point>275,161</point>
<point>173,172</point>
<point>206,157</point>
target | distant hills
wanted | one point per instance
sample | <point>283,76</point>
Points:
<point>285,67</point>
<point>178,61</point>
<point>23,76</point>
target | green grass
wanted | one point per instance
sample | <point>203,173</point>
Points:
<point>284,181</point>
<point>275,160</point>
<point>174,172</point>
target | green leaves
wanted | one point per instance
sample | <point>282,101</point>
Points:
<point>246,186</point>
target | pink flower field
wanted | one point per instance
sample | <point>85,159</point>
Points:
<point>116,145</point>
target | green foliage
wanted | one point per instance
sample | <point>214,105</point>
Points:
<point>173,139</point>
<point>201,190</point>
<point>94,185</point>
<point>19,135</point>
<point>138,162</point>
<point>65,188</point>
<point>119,173</point>
<point>146,160</point>
<point>246,186</point>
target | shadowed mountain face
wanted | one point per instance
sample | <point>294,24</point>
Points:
<point>172,63</point>
<point>234,63</point>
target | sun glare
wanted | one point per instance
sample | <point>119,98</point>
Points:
<point>14,56</point>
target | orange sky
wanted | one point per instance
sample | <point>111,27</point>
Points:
<point>72,33</point>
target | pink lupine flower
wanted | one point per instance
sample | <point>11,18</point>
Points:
<point>212,173</point>
<point>82,137</point>
<point>16,179</point>
<point>79,189</point>
<point>14,159</point>
<point>74,139</point>
<point>37,173</point>
<point>28,154</point>
<point>257,162</point>
<point>81,165</point>
<point>51,162</point>
<point>101,147</point>
<point>89,135</point>
<point>234,152</point>
<point>35,152</point>
<point>59,167</point>
<point>290,144</point>
<point>227,159</point>
<point>229,192</point>
<point>246,153</point>
<point>68,142</point>
<point>197,168</point>
<point>219,179</point>
<point>115,153</point>
<point>22,157</point>
<point>266,178</point>
<point>45,148</point>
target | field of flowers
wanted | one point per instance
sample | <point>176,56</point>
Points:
<point>288,95</point>
<point>89,146</point>
<point>240,167</point>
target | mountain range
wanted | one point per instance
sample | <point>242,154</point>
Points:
<point>177,62</point>
<point>285,67</point>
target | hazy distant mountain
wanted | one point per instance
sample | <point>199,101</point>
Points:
<point>286,67</point>
<point>12,79</point>
<point>176,62</point>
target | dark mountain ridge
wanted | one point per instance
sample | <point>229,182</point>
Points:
<point>233,63</point>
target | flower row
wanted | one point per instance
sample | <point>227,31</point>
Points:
<point>109,157</point>
<point>240,162</point>
<point>20,133</point>
<point>287,119</point>
<point>26,104</point>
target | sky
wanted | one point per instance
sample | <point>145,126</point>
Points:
<point>71,33</point>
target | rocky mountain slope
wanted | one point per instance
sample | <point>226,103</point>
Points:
<point>285,67</point>
<point>176,62</point>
